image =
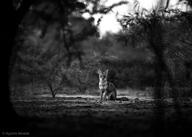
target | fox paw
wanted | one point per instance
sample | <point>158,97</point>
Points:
<point>99,101</point>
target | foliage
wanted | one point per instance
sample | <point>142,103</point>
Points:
<point>53,49</point>
<point>81,77</point>
<point>160,29</point>
<point>49,36</point>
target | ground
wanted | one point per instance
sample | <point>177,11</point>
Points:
<point>84,115</point>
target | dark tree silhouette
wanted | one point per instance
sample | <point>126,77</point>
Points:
<point>58,13</point>
<point>150,26</point>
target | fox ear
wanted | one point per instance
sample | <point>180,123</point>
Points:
<point>107,72</point>
<point>99,71</point>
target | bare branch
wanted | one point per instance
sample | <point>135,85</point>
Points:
<point>167,4</point>
<point>104,10</point>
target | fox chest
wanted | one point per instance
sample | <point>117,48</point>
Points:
<point>103,85</point>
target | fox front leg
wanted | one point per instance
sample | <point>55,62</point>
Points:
<point>104,96</point>
<point>101,95</point>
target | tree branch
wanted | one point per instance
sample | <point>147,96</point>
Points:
<point>104,10</point>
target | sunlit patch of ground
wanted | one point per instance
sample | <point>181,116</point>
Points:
<point>128,93</point>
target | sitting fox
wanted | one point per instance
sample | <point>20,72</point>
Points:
<point>107,89</point>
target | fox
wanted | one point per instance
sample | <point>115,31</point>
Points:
<point>107,89</point>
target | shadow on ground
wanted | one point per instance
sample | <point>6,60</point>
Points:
<point>80,116</point>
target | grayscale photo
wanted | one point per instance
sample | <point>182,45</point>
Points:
<point>99,68</point>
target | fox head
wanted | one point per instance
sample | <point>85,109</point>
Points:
<point>102,75</point>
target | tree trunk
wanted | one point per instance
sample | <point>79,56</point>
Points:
<point>159,106</point>
<point>11,119</point>
<point>53,93</point>
<point>32,83</point>
<point>160,68</point>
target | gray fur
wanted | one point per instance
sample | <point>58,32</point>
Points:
<point>107,89</point>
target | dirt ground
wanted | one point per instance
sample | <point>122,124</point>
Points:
<point>83,115</point>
